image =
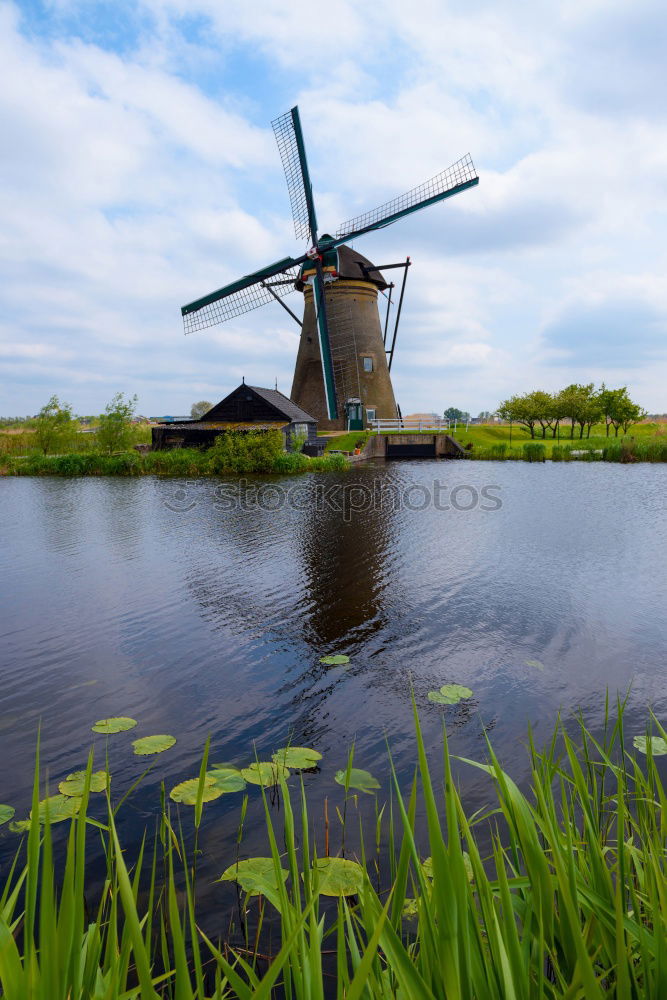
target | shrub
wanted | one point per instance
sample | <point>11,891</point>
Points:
<point>115,430</point>
<point>54,426</point>
<point>533,451</point>
<point>250,451</point>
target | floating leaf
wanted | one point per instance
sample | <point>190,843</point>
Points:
<point>657,743</point>
<point>60,807</point>
<point>152,744</point>
<point>299,758</point>
<point>6,813</point>
<point>450,694</point>
<point>120,724</point>
<point>535,663</point>
<point>338,877</point>
<point>264,773</point>
<point>186,791</point>
<point>19,825</point>
<point>227,779</point>
<point>361,780</point>
<point>334,661</point>
<point>73,784</point>
<point>256,875</point>
<point>427,867</point>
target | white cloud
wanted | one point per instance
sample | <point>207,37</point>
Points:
<point>136,180</point>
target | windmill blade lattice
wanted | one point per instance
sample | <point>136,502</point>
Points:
<point>287,130</point>
<point>459,176</point>
<point>238,301</point>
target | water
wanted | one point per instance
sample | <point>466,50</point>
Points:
<point>169,602</point>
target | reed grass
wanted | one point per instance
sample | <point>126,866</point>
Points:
<point>556,891</point>
<point>183,462</point>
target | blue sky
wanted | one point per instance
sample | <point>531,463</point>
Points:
<point>139,172</point>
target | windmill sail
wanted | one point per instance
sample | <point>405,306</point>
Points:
<point>287,130</point>
<point>458,177</point>
<point>241,296</point>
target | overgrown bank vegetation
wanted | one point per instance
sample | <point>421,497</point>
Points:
<point>646,443</point>
<point>553,892</point>
<point>237,453</point>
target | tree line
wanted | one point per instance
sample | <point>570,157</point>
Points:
<point>582,405</point>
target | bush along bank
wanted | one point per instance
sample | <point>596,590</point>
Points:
<point>232,453</point>
<point>557,891</point>
<point>624,451</point>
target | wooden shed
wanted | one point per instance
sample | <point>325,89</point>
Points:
<point>247,408</point>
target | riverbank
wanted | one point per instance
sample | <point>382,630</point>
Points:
<point>646,442</point>
<point>564,898</point>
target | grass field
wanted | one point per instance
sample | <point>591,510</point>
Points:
<point>487,436</point>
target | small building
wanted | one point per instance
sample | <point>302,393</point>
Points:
<point>247,408</point>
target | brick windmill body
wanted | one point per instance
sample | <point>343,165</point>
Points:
<point>358,354</point>
<point>342,372</point>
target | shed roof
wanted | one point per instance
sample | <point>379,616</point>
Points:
<point>284,405</point>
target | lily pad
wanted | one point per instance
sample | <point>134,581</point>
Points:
<point>227,779</point>
<point>450,694</point>
<point>427,867</point>
<point>6,813</point>
<point>19,825</point>
<point>186,791</point>
<point>152,744</point>
<point>363,781</point>
<point>335,661</point>
<point>256,875</point>
<point>657,743</point>
<point>300,758</point>
<point>264,773</point>
<point>338,877</point>
<point>535,663</point>
<point>60,807</point>
<point>73,784</point>
<point>118,724</point>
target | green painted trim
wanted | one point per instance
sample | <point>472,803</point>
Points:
<point>325,345</point>
<point>237,286</point>
<point>305,175</point>
<point>406,211</point>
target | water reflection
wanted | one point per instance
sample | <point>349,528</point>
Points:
<point>212,620</point>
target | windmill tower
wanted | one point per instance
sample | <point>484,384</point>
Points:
<point>342,374</point>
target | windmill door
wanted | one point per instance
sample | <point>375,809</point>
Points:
<point>354,414</point>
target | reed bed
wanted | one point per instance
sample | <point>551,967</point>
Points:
<point>567,899</point>
<point>182,462</point>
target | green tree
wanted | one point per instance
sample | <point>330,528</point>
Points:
<point>115,430</point>
<point>54,426</point>
<point>197,410</point>
<point>575,403</point>
<point>524,410</point>
<point>543,405</point>
<point>618,409</point>
<point>453,413</point>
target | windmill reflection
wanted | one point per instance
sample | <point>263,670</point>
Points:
<point>292,571</point>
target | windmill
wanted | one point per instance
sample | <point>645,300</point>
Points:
<point>342,364</point>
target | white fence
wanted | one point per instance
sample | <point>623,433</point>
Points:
<point>410,426</point>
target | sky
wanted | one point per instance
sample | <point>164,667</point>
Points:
<point>139,172</point>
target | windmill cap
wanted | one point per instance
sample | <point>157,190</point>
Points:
<point>351,266</point>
